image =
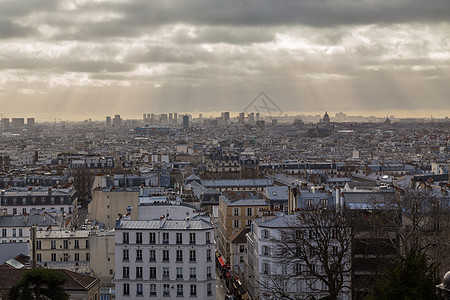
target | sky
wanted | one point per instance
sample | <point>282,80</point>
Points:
<point>78,58</point>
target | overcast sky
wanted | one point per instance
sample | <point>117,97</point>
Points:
<point>96,57</point>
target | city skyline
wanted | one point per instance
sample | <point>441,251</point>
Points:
<point>77,59</point>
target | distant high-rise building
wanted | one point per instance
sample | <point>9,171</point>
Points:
<point>175,117</point>
<point>241,118</point>
<point>117,121</point>
<point>257,116</point>
<point>5,123</point>
<point>108,121</point>
<point>200,116</point>
<point>225,116</point>
<point>274,122</point>
<point>170,118</point>
<point>144,117</point>
<point>186,123</point>
<point>16,122</point>
<point>30,122</point>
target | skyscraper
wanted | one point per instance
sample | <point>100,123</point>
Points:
<point>186,123</point>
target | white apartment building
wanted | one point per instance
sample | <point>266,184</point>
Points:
<point>168,253</point>
<point>263,271</point>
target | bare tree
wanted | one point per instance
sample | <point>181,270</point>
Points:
<point>314,248</point>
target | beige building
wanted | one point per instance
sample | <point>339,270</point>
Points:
<point>101,245</point>
<point>63,249</point>
<point>235,215</point>
<point>107,203</point>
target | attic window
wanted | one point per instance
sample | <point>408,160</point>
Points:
<point>274,193</point>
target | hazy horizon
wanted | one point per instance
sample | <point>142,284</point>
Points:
<point>68,59</point>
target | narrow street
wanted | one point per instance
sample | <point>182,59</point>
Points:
<point>221,289</point>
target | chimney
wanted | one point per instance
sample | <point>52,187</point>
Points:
<point>188,223</point>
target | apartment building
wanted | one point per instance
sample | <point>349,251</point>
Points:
<point>165,255</point>
<point>63,249</point>
<point>235,215</point>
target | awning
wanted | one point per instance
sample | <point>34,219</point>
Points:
<point>222,263</point>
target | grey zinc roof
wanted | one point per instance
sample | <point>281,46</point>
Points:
<point>237,182</point>
<point>249,202</point>
<point>279,222</point>
<point>277,192</point>
<point>167,225</point>
<point>25,221</point>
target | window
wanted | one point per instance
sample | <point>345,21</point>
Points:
<point>265,234</point>
<point>236,211</point>
<point>152,272</point>
<point>208,237</point>
<point>309,203</point>
<point>152,255</point>
<point>192,273</point>
<point>77,256</point>
<point>139,289</point>
<point>266,268</point>
<point>24,210</point>
<point>138,272</point>
<point>38,245</point>
<point>249,211</point>
<point>66,256</point>
<point>4,233</point>
<point>87,244</point>
<point>192,238</point>
<point>125,272</point>
<point>138,237</point>
<point>138,255</point>
<point>14,232</point>
<point>125,255</point>
<point>248,223</point>
<point>88,256</point>
<point>241,248</point>
<point>66,244</point>
<point>324,202</point>
<point>126,237</point>
<point>166,272</point>
<point>236,224</point>
<point>208,272</point>
<point>53,244</point>
<point>53,256</point>
<point>266,250</point>
<point>179,290</point>
<point>241,259</point>
<point>77,244</point>
<point>179,273</point>
<point>208,254</point>
<point>152,239</point>
<point>14,211</point>
<point>192,256</point>
<point>39,257</point>
<point>179,255</point>
<point>179,238</point>
<point>209,289</point>
<point>126,289</point>
<point>298,269</point>
<point>152,289</point>
<point>165,237</point>
<point>165,256</point>
<point>193,290</point>
<point>166,290</point>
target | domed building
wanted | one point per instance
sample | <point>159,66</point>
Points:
<point>326,118</point>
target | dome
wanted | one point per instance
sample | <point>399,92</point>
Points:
<point>446,281</point>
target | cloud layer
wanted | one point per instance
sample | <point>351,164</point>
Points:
<point>131,56</point>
